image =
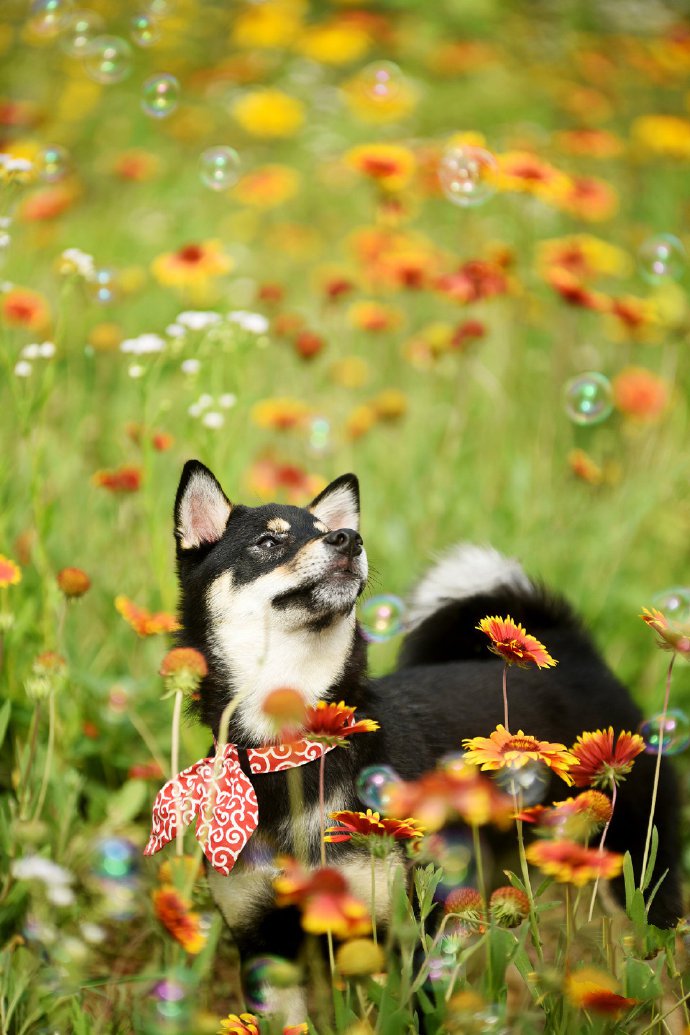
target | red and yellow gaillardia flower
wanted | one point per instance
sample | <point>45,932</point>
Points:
<point>239,1024</point>
<point>192,265</point>
<point>508,906</point>
<point>10,573</point>
<point>389,166</point>
<point>280,414</point>
<point>526,173</point>
<point>640,394</point>
<point>673,636</point>
<point>22,307</point>
<point>575,818</point>
<point>331,723</point>
<point>368,824</point>
<point>453,790</point>
<point>145,623</point>
<point>267,186</point>
<point>173,911</point>
<point>571,863</point>
<point>269,113</point>
<point>603,763</point>
<point>73,582</point>
<point>324,898</point>
<point>271,479</point>
<point>512,643</point>
<point>515,750</point>
<point>126,478</point>
<point>592,989</point>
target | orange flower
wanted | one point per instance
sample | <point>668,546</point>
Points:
<point>172,909</point>
<point>126,478</point>
<point>589,143</point>
<point>370,823</point>
<point>145,771</point>
<point>48,203</point>
<point>388,165</point>
<point>145,623</point>
<point>239,1024</point>
<point>267,186</point>
<point>640,394</point>
<point>571,863</point>
<point>673,637</point>
<point>527,173</point>
<point>575,818</point>
<point>373,316</point>
<point>192,265</point>
<point>583,467</point>
<point>136,165</point>
<point>285,707</point>
<point>590,199</point>
<point>183,668</point>
<point>503,749</point>
<point>601,763</point>
<point>73,582</point>
<point>10,573</point>
<point>591,989</point>
<point>633,318</point>
<point>512,643</point>
<point>324,899</point>
<point>269,480</point>
<point>21,307</point>
<point>280,414</point>
<point>473,282</point>
<point>452,790</point>
<point>331,723</point>
<point>508,906</point>
<point>574,292</point>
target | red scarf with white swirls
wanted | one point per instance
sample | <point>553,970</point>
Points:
<point>223,801</point>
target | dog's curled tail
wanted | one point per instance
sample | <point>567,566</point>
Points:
<point>467,583</point>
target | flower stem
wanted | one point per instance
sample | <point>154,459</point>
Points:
<point>505,696</point>
<point>373,898</point>
<point>657,770</point>
<point>175,767</point>
<point>601,848</point>
<point>534,928</point>
<point>49,758</point>
<point>322,807</point>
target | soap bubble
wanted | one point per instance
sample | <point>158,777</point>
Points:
<point>81,27</point>
<point>372,784</point>
<point>588,398</point>
<point>662,258</point>
<point>116,858</point>
<point>169,996</point>
<point>465,175</point>
<point>220,167</point>
<point>160,95</point>
<point>381,618</point>
<point>108,59</point>
<point>48,17</point>
<point>262,975</point>
<point>144,30</point>
<point>451,849</point>
<point>528,783</point>
<point>319,434</point>
<point>103,286</point>
<point>671,732</point>
<point>675,606</point>
<point>381,81</point>
<point>53,163</point>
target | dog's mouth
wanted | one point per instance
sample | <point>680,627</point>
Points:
<point>335,591</point>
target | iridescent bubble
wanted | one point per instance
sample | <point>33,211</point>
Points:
<point>381,618</point>
<point>528,783</point>
<point>451,849</point>
<point>372,786</point>
<point>675,605</point>
<point>116,858</point>
<point>169,996</point>
<point>382,81</point>
<point>219,167</point>
<point>103,286</point>
<point>54,163</point>
<point>671,733</point>
<point>588,398</point>
<point>144,30</point>
<point>465,174</point>
<point>319,435</point>
<point>262,975</point>
<point>108,59</point>
<point>160,95</point>
<point>48,17</point>
<point>81,27</point>
<point>662,258</point>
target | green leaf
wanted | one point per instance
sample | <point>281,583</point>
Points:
<point>637,911</point>
<point>652,859</point>
<point>629,878</point>
<point>640,980</point>
<point>126,804</point>
<point>515,881</point>
<point>656,888</point>
<point>4,719</point>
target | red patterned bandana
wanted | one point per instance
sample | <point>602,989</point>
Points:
<point>225,806</point>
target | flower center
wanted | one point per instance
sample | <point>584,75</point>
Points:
<point>191,253</point>
<point>522,744</point>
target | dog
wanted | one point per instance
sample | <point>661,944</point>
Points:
<point>268,595</point>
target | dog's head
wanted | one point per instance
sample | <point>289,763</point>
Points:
<point>269,592</point>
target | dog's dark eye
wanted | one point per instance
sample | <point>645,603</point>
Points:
<point>266,542</point>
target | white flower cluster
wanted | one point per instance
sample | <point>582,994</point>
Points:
<point>200,320</point>
<point>12,168</point>
<point>74,260</point>
<point>254,322</point>
<point>143,345</point>
<point>23,367</point>
<point>57,879</point>
<point>208,409</point>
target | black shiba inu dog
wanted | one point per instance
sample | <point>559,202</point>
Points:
<point>268,595</point>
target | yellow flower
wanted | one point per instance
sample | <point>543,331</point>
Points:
<point>389,165</point>
<point>370,106</point>
<point>268,26</point>
<point>333,43</point>
<point>665,135</point>
<point>269,113</point>
<point>515,750</point>
<point>191,265</point>
<point>279,414</point>
<point>583,255</point>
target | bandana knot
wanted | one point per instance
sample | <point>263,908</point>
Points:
<point>218,792</point>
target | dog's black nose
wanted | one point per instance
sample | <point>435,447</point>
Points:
<point>346,541</point>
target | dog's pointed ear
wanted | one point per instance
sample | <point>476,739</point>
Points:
<point>201,507</point>
<point>338,505</point>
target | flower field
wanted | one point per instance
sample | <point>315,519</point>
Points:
<point>443,246</point>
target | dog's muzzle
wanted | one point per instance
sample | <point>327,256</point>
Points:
<point>345,541</point>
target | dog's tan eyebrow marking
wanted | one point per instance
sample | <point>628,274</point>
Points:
<point>278,525</point>
<point>320,527</point>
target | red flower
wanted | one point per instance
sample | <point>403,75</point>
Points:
<point>122,479</point>
<point>510,641</point>
<point>145,771</point>
<point>324,899</point>
<point>571,863</point>
<point>10,573</point>
<point>370,823</point>
<point>145,623</point>
<point>173,911</point>
<point>73,582</point>
<point>452,790</point>
<point>331,723</point>
<point>601,763</point>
